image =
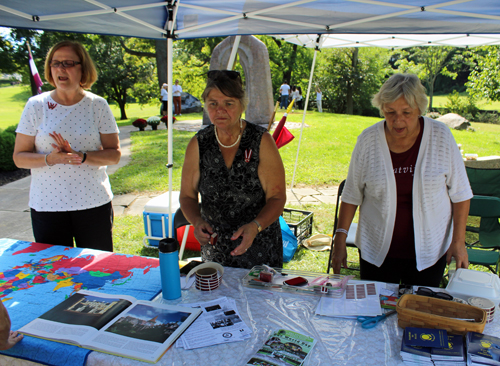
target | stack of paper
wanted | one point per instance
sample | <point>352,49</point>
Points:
<point>453,355</point>
<point>482,349</point>
<point>220,322</point>
<point>359,299</point>
<point>283,348</point>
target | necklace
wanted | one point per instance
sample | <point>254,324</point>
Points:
<point>237,140</point>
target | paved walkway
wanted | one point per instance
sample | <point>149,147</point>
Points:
<point>15,221</point>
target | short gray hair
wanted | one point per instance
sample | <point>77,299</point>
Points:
<point>402,85</point>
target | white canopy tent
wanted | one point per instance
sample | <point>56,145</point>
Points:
<point>390,23</point>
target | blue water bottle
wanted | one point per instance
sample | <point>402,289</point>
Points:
<point>169,268</point>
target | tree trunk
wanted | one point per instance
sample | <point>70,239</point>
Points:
<point>121,102</point>
<point>161,61</point>
<point>349,108</point>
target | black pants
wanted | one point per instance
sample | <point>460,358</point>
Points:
<point>91,228</point>
<point>403,271</point>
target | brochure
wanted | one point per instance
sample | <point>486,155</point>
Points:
<point>115,324</point>
<point>283,348</point>
<point>425,337</point>
<point>482,349</point>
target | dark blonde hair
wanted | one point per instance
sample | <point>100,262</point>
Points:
<point>229,86</point>
<point>89,72</point>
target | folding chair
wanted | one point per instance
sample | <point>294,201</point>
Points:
<point>352,229</point>
<point>487,253</point>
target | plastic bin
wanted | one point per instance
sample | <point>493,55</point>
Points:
<point>300,222</point>
<point>156,217</point>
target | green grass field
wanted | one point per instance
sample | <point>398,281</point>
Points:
<point>323,161</point>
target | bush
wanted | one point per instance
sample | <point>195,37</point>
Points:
<point>487,117</point>
<point>140,123</point>
<point>7,141</point>
<point>462,106</point>
<point>153,121</point>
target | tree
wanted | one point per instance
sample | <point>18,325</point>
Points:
<point>484,80</point>
<point>119,73</point>
<point>349,77</point>
<point>428,62</point>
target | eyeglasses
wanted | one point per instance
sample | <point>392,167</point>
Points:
<point>66,63</point>
<point>231,74</point>
<point>424,291</point>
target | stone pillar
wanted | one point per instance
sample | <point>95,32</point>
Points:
<point>254,59</point>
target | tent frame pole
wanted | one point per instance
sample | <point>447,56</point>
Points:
<point>234,51</point>
<point>318,42</point>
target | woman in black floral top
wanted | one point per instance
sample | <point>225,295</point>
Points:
<point>236,167</point>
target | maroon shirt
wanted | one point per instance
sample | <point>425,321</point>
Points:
<point>403,237</point>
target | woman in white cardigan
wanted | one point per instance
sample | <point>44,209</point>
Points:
<point>408,177</point>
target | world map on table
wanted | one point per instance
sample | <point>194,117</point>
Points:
<point>36,277</point>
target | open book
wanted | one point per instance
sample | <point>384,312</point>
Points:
<point>115,324</point>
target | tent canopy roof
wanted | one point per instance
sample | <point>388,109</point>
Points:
<point>390,23</point>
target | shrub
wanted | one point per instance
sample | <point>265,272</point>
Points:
<point>140,123</point>
<point>164,119</point>
<point>461,106</point>
<point>7,141</point>
<point>487,117</point>
<point>153,121</point>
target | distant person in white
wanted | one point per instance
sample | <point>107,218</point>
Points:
<point>284,90</point>
<point>67,137</point>
<point>177,90</point>
<point>318,99</point>
<point>164,99</point>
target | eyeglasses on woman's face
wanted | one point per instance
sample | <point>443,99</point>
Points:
<point>66,64</point>
<point>424,291</point>
<point>231,74</point>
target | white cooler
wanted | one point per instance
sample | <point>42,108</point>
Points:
<point>467,283</point>
<point>156,217</point>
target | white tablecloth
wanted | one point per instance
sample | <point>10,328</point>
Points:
<point>340,341</point>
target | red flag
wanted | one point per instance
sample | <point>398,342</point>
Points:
<point>281,135</point>
<point>34,71</point>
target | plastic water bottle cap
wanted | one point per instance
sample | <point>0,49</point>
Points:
<point>168,245</point>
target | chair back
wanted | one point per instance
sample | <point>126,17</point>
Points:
<point>484,182</point>
<point>488,209</point>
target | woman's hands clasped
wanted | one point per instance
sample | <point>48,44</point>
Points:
<point>203,233</point>
<point>62,153</point>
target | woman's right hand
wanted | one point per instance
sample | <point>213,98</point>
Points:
<point>202,231</point>
<point>339,256</point>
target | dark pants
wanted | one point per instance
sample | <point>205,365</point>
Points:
<point>164,107</point>
<point>284,101</point>
<point>177,105</point>
<point>403,271</point>
<point>91,228</point>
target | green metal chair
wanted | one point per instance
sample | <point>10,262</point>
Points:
<point>486,251</point>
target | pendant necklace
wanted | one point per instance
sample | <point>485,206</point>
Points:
<point>237,140</point>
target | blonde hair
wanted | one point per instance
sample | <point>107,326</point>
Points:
<point>402,85</point>
<point>89,72</point>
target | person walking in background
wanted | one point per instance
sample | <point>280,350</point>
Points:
<point>164,99</point>
<point>67,137</point>
<point>177,90</point>
<point>319,97</point>
<point>299,99</point>
<point>285,91</point>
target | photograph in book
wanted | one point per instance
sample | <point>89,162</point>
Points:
<point>115,324</point>
<point>148,323</point>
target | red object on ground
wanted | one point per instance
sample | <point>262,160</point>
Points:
<point>191,243</point>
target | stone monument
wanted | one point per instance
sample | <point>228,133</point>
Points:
<point>254,59</point>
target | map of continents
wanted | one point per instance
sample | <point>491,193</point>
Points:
<point>36,277</point>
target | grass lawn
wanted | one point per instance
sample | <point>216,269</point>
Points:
<point>323,161</point>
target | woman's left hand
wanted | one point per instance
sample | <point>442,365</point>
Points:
<point>61,144</point>
<point>458,251</point>
<point>248,232</point>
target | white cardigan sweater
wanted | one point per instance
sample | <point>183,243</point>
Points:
<point>439,179</point>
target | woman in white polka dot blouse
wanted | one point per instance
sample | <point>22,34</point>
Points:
<point>67,137</point>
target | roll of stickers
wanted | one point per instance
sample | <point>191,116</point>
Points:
<point>485,304</point>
